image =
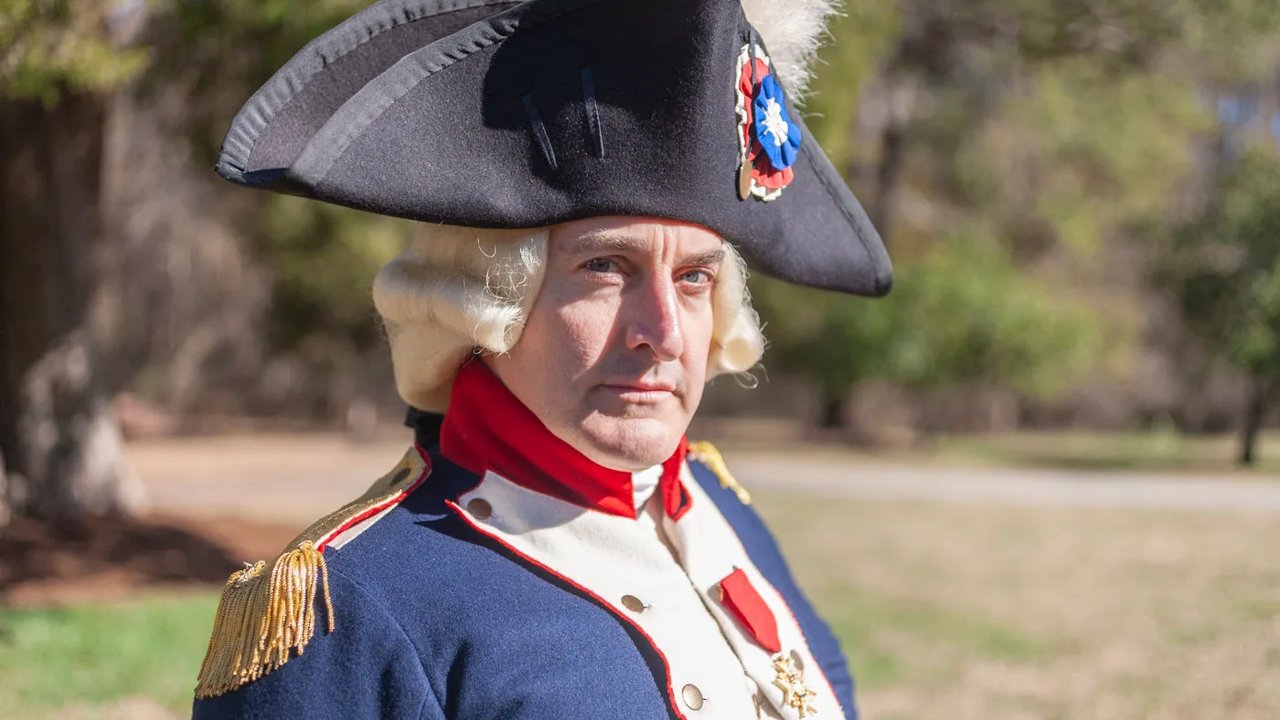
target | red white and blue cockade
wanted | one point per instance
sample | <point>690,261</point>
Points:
<point>777,135</point>
<point>768,140</point>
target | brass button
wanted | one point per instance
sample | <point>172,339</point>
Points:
<point>634,604</point>
<point>479,508</point>
<point>692,696</point>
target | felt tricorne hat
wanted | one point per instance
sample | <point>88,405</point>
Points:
<point>492,113</point>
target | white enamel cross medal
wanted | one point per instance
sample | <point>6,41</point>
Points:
<point>790,680</point>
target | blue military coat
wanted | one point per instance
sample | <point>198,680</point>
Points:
<point>498,574</point>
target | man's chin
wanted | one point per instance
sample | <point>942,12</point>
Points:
<point>632,443</point>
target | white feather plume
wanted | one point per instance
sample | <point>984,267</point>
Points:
<point>793,30</point>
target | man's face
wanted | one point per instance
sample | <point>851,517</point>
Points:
<point>613,356</point>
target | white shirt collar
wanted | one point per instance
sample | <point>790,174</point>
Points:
<point>644,483</point>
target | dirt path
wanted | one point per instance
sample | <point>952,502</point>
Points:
<point>1007,486</point>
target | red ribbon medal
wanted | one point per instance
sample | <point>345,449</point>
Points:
<point>746,605</point>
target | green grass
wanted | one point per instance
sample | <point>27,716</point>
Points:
<point>869,624</point>
<point>94,655</point>
<point>859,617</point>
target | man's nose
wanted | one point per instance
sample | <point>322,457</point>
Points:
<point>654,320</point>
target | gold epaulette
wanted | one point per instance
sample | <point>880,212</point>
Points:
<point>267,612</point>
<point>707,454</point>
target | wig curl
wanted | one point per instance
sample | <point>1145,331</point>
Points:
<point>456,291</point>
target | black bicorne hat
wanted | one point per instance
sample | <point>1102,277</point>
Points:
<point>499,114</point>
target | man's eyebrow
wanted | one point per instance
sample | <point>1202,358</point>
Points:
<point>604,240</point>
<point>620,242</point>
<point>710,257</point>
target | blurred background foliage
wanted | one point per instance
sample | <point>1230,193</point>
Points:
<point>1080,197</point>
<point>1082,200</point>
<point>51,47</point>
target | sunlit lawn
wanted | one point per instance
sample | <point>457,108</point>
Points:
<point>133,659</point>
<point>953,612</point>
<point>967,611</point>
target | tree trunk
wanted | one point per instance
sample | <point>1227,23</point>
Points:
<point>889,176</point>
<point>833,410</point>
<point>833,413</point>
<point>901,87</point>
<point>61,447</point>
<point>1256,400</point>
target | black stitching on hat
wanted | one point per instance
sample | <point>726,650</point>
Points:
<point>539,131</point>
<point>593,113</point>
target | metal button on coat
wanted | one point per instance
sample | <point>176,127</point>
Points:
<point>692,696</point>
<point>634,604</point>
<point>479,508</point>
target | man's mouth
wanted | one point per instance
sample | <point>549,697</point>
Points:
<point>640,392</point>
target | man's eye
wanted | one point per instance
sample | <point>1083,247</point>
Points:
<point>697,277</point>
<point>600,265</point>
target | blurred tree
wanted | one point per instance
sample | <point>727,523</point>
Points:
<point>1225,269</point>
<point>215,300</point>
<point>51,48</point>
<point>1048,141</point>
<point>1017,154</point>
<point>827,337</point>
<point>59,441</point>
<point>993,323</point>
<point>72,289</point>
<point>322,341</point>
<point>963,315</point>
<point>325,258</point>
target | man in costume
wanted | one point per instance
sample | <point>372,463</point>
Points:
<point>597,175</point>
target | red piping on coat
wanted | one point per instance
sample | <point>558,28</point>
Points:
<point>399,497</point>
<point>666,667</point>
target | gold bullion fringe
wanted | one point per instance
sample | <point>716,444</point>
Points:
<point>263,617</point>
<point>707,454</point>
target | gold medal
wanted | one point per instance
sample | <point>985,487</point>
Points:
<point>790,680</point>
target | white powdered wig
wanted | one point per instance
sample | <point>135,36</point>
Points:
<point>452,290</point>
<point>457,290</point>
<point>793,31</point>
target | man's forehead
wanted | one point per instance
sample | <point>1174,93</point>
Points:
<point>635,235</point>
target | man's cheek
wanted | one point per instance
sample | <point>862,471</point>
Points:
<point>699,330</point>
<point>585,333</point>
